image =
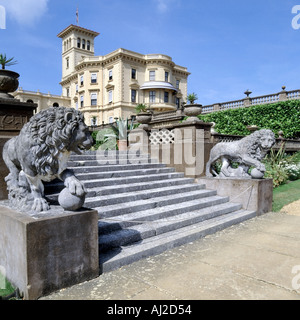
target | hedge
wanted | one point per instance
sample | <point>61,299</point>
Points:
<point>283,115</point>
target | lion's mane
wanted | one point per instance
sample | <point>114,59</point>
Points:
<point>50,135</point>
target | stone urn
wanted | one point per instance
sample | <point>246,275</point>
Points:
<point>192,111</point>
<point>144,118</point>
<point>9,82</point>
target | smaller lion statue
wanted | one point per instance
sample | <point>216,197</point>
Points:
<point>40,153</point>
<point>248,152</point>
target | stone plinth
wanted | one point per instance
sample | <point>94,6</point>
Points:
<point>50,251</point>
<point>253,194</point>
<point>13,115</point>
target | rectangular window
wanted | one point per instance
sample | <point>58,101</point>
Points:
<point>151,75</point>
<point>177,103</point>
<point>76,105</point>
<point>110,96</point>
<point>81,101</point>
<point>177,84</point>
<point>68,92</point>
<point>166,99</point>
<point>68,63</point>
<point>110,119</point>
<point>94,78</point>
<point>133,95</point>
<point>133,74</point>
<point>152,96</point>
<point>94,121</point>
<point>76,87</point>
<point>93,99</point>
<point>81,80</point>
<point>83,44</point>
<point>167,76</point>
<point>110,75</point>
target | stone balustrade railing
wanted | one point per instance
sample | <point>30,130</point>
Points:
<point>249,101</point>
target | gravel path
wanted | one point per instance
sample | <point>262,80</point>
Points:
<point>292,208</point>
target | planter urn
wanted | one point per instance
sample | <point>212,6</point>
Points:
<point>9,82</point>
<point>144,118</point>
<point>192,111</point>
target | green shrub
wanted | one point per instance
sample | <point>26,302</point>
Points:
<point>281,167</point>
<point>283,115</point>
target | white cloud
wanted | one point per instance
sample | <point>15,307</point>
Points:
<point>164,5</point>
<point>25,12</point>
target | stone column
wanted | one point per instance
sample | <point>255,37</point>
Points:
<point>192,147</point>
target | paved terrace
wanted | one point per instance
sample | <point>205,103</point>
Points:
<point>253,260</point>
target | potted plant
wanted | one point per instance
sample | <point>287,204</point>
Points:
<point>144,116</point>
<point>120,132</point>
<point>192,110</point>
<point>8,79</point>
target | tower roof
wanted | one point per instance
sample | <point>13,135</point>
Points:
<point>72,28</point>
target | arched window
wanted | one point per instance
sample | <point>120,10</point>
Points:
<point>83,44</point>
<point>29,101</point>
<point>78,42</point>
<point>88,45</point>
<point>55,104</point>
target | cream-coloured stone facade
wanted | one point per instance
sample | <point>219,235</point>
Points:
<point>110,86</point>
<point>43,100</point>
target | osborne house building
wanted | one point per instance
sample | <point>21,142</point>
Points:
<point>111,86</point>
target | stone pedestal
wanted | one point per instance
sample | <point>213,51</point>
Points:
<point>50,251</point>
<point>13,115</point>
<point>253,194</point>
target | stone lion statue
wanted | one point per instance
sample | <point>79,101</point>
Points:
<point>40,153</point>
<point>249,151</point>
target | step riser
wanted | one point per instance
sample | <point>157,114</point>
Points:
<point>110,162</point>
<point>53,191</point>
<point>106,213</point>
<point>156,229</point>
<point>78,170</point>
<point>119,174</point>
<point>138,196</point>
<point>108,226</point>
<point>107,265</point>
<point>128,180</point>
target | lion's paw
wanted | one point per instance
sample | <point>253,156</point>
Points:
<point>75,186</point>
<point>40,204</point>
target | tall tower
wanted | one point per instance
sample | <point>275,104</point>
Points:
<point>77,43</point>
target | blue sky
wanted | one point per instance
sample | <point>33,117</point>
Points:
<point>228,46</point>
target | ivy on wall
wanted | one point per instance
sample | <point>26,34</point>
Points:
<point>283,115</point>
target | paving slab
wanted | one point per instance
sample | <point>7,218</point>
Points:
<point>252,260</point>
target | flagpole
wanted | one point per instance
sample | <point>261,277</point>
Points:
<point>77,16</point>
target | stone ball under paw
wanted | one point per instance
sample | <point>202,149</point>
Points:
<point>256,174</point>
<point>70,201</point>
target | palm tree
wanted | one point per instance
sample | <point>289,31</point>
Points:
<point>6,62</point>
<point>192,97</point>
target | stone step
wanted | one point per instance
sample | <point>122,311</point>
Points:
<point>122,173</point>
<point>116,167</point>
<point>151,203</point>
<point>128,180</point>
<point>108,156</point>
<point>104,162</point>
<point>132,197</point>
<point>176,214</point>
<point>52,190</point>
<point>155,245</point>
<point>145,186</point>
